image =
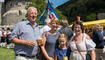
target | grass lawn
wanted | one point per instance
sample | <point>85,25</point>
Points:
<point>6,54</point>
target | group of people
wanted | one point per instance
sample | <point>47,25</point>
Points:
<point>4,37</point>
<point>98,37</point>
<point>56,44</point>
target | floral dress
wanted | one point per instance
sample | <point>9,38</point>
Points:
<point>82,47</point>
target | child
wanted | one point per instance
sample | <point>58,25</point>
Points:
<point>62,52</point>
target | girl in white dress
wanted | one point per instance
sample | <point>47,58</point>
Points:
<point>81,43</point>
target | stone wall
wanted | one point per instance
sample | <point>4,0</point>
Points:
<point>15,12</point>
<point>12,17</point>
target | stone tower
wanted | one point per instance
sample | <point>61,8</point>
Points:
<point>0,11</point>
<point>14,11</point>
<point>1,2</point>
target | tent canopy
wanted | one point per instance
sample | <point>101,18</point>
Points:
<point>90,24</point>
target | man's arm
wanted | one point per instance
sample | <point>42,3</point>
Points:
<point>23,42</point>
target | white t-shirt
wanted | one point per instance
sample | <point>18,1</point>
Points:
<point>45,28</point>
<point>0,33</point>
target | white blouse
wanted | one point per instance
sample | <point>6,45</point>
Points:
<point>90,44</point>
<point>85,44</point>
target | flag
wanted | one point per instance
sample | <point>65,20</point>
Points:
<point>49,13</point>
<point>57,3</point>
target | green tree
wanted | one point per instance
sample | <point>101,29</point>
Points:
<point>86,9</point>
<point>39,4</point>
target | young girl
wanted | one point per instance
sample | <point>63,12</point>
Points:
<point>62,52</point>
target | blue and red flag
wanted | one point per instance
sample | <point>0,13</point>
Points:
<point>49,13</point>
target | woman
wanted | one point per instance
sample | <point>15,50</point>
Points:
<point>50,39</point>
<point>81,43</point>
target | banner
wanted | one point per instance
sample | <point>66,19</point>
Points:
<point>49,13</point>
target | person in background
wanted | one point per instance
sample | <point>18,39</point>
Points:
<point>65,29</point>
<point>8,35</point>
<point>50,41</point>
<point>81,43</point>
<point>25,35</point>
<point>100,54</point>
<point>0,36</point>
<point>95,34</point>
<point>62,52</point>
<point>3,37</point>
<point>47,26</point>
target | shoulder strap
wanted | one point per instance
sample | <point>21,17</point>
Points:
<point>79,52</point>
<point>47,35</point>
<point>72,38</point>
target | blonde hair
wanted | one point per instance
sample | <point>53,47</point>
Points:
<point>55,20</point>
<point>62,36</point>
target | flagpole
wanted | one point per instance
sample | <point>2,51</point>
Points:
<point>47,4</point>
<point>48,1</point>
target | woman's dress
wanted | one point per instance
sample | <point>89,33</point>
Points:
<point>82,46</point>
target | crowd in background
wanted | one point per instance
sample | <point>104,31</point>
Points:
<point>97,34</point>
<point>5,34</point>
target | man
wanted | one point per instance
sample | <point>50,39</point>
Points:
<point>95,35</point>
<point>46,27</point>
<point>98,37</point>
<point>8,35</point>
<point>99,51</point>
<point>25,35</point>
<point>65,29</point>
<point>3,37</point>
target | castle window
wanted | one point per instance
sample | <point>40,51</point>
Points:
<point>23,2</point>
<point>19,4</point>
<point>20,12</point>
<point>16,3</point>
<point>10,4</point>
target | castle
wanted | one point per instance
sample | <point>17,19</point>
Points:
<point>12,11</point>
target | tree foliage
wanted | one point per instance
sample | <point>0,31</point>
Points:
<point>86,9</point>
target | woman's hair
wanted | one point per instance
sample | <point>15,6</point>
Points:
<point>8,28</point>
<point>78,23</point>
<point>55,20</point>
<point>62,36</point>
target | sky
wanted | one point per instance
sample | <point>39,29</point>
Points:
<point>1,0</point>
<point>57,3</point>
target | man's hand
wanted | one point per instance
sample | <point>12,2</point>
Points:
<point>30,43</point>
<point>23,42</point>
<point>104,37</point>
